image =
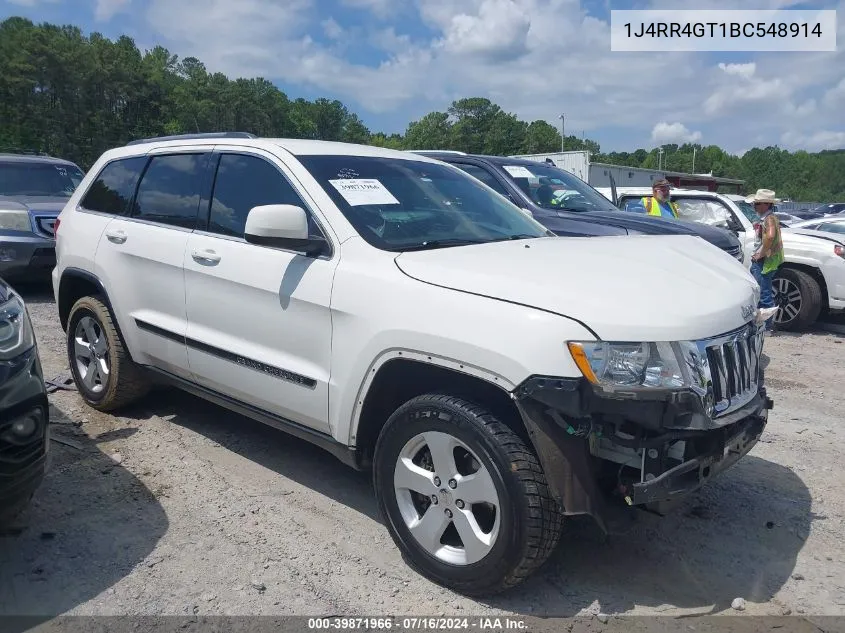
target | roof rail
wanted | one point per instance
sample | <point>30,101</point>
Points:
<point>185,137</point>
<point>27,152</point>
<point>437,151</point>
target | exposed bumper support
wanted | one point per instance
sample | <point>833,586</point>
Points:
<point>561,440</point>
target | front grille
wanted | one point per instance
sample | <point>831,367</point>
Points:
<point>45,225</point>
<point>734,361</point>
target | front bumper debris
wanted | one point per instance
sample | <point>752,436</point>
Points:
<point>565,418</point>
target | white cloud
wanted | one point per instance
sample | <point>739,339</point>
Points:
<point>664,133</point>
<point>814,141</point>
<point>741,70</point>
<point>535,58</point>
<point>835,97</point>
<point>107,9</point>
<point>332,29</point>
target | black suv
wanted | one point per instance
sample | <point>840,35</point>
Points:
<point>567,205</point>
<point>34,189</point>
<point>24,413</point>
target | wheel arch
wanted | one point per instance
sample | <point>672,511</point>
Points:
<point>399,375</point>
<point>76,283</point>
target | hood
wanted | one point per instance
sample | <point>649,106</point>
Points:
<point>794,235</point>
<point>41,205</point>
<point>652,225</point>
<point>634,288</point>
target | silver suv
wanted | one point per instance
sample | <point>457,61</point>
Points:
<point>33,190</point>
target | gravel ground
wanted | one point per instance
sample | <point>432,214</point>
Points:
<point>179,507</point>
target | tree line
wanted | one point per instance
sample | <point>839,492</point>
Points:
<point>75,95</point>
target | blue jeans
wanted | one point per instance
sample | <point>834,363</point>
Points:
<point>767,297</point>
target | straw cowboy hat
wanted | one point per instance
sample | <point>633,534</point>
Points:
<point>763,195</point>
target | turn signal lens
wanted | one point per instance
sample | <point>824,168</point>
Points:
<point>839,250</point>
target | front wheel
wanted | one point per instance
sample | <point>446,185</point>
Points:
<point>798,298</point>
<point>464,497</point>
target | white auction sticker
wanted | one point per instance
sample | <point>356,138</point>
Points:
<point>518,171</point>
<point>360,191</point>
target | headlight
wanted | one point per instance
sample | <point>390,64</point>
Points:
<point>622,366</point>
<point>15,220</point>
<point>16,335</point>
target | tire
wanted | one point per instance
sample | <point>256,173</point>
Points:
<point>526,526</point>
<point>798,297</point>
<point>123,382</point>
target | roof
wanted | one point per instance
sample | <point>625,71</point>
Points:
<point>707,177</point>
<point>296,147</point>
<point>34,158</point>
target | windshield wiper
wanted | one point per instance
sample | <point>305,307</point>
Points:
<point>430,244</point>
<point>516,236</point>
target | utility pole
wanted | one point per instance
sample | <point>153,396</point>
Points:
<point>561,117</point>
<point>693,159</point>
<point>660,158</point>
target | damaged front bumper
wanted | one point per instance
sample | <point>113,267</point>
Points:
<point>666,443</point>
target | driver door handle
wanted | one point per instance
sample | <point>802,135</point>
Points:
<point>116,236</point>
<point>205,257</point>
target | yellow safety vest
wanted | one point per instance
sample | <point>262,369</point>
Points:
<point>652,206</point>
<point>775,259</point>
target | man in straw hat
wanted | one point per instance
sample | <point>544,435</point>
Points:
<point>768,255</point>
<point>659,203</point>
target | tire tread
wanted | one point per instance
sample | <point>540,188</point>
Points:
<point>130,383</point>
<point>545,519</point>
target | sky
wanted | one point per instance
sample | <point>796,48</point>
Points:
<point>392,61</point>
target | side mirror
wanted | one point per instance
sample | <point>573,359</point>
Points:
<point>282,226</point>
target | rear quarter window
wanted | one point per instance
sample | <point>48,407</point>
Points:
<point>114,187</point>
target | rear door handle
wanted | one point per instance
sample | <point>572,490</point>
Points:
<point>205,257</point>
<point>118,237</point>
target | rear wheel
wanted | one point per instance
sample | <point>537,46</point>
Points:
<point>105,376</point>
<point>798,297</point>
<point>464,498</point>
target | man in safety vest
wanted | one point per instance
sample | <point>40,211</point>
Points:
<point>659,204</point>
<point>768,255</point>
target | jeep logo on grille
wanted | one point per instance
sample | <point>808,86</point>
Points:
<point>748,311</point>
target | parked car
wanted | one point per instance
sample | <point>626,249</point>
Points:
<point>832,208</point>
<point>24,414</point>
<point>810,283</point>
<point>410,320</point>
<point>787,219</point>
<point>831,224</point>
<point>33,189</point>
<point>567,205</point>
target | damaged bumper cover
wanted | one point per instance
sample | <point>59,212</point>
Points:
<point>563,416</point>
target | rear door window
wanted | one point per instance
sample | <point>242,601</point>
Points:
<point>170,189</point>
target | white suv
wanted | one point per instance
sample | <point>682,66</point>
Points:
<point>810,283</point>
<point>404,316</point>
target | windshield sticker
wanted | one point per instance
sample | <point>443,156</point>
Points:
<point>518,171</point>
<point>62,171</point>
<point>347,173</point>
<point>361,191</point>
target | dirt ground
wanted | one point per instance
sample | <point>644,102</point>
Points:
<point>180,507</point>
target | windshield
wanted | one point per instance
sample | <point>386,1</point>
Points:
<point>554,188</point>
<point>398,204</point>
<point>38,179</point>
<point>747,210</point>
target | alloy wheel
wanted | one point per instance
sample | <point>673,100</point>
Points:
<point>787,299</point>
<point>447,498</point>
<point>91,354</point>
